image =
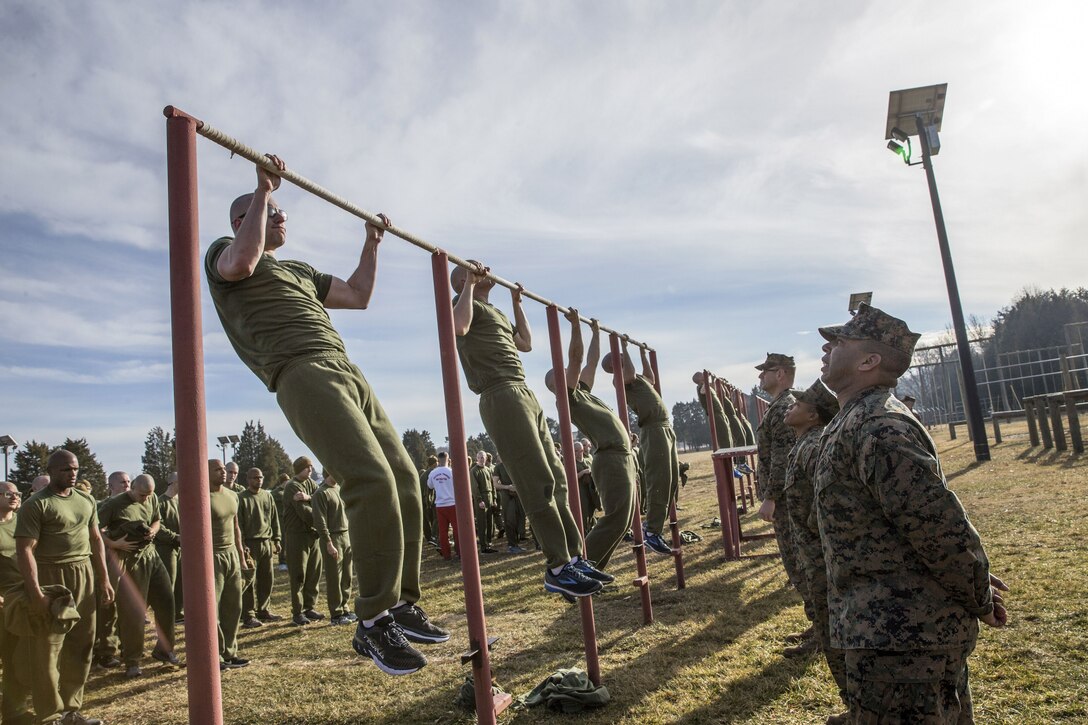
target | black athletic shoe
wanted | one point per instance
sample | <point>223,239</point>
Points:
<point>312,615</point>
<point>265,616</point>
<point>235,663</point>
<point>655,543</point>
<point>133,672</point>
<point>593,572</point>
<point>339,619</point>
<point>107,663</point>
<point>74,717</point>
<point>386,645</point>
<point>167,658</point>
<point>252,623</point>
<point>570,581</point>
<point>417,627</point>
<point>299,620</point>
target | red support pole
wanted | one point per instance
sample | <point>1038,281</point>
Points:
<point>643,580</point>
<point>487,706</point>
<point>566,441</point>
<point>201,639</point>
<point>674,525</point>
<point>723,471</point>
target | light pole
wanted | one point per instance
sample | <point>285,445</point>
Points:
<point>231,441</point>
<point>7,443</point>
<point>925,106</point>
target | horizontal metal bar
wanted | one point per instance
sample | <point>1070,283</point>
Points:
<point>236,147</point>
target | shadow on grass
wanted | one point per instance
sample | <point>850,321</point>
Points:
<point>966,469</point>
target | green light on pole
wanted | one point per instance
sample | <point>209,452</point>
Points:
<point>903,151</point>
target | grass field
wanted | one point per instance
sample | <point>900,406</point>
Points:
<point>713,653</point>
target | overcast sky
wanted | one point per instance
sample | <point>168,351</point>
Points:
<point>710,177</point>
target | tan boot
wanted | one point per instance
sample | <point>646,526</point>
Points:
<point>807,647</point>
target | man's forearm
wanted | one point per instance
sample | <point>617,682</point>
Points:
<point>362,280</point>
<point>28,567</point>
<point>462,311</point>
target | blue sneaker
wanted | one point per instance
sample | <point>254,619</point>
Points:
<point>571,581</point>
<point>655,542</point>
<point>593,572</point>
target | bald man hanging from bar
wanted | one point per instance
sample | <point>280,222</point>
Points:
<point>613,465</point>
<point>275,315</point>
<point>488,346</point>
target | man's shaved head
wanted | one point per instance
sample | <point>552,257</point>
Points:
<point>143,483</point>
<point>39,483</point>
<point>239,206</point>
<point>118,482</point>
<point>63,469</point>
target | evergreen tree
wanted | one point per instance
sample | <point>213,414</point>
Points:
<point>159,459</point>
<point>89,467</point>
<point>419,445</point>
<point>30,463</point>
<point>273,461</point>
<point>480,442</point>
<point>553,428</point>
<point>250,445</point>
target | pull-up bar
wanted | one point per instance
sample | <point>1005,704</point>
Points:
<point>204,688</point>
<point>237,147</point>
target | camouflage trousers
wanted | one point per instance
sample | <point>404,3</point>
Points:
<point>915,688</point>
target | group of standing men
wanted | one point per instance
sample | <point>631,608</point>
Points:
<point>893,575</point>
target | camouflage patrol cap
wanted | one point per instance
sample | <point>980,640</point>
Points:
<point>776,360</point>
<point>820,398</point>
<point>871,323</point>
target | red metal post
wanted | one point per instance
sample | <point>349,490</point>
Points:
<point>723,470</point>
<point>201,640</point>
<point>487,707</point>
<point>566,441</point>
<point>674,525</point>
<point>643,580</point>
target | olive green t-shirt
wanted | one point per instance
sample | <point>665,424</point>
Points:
<point>169,519</point>
<point>721,422</point>
<point>120,514</point>
<point>647,404</point>
<point>330,516</point>
<point>10,578</point>
<point>482,489</point>
<point>275,316</point>
<point>298,516</point>
<point>487,351</point>
<point>596,421</point>
<point>224,505</point>
<point>257,515</point>
<point>61,524</point>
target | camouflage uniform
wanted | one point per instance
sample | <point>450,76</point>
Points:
<point>774,440</point>
<point>800,496</point>
<point>907,574</point>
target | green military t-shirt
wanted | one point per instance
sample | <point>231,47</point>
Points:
<point>169,519</point>
<point>298,516</point>
<point>10,577</point>
<point>276,315</point>
<point>257,515</point>
<point>224,505</point>
<point>487,351</point>
<point>120,516</point>
<point>642,397</point>
<point>61,524</point>
<point>481,484</point>
<point>597,421</point>
<point>330,516</point>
